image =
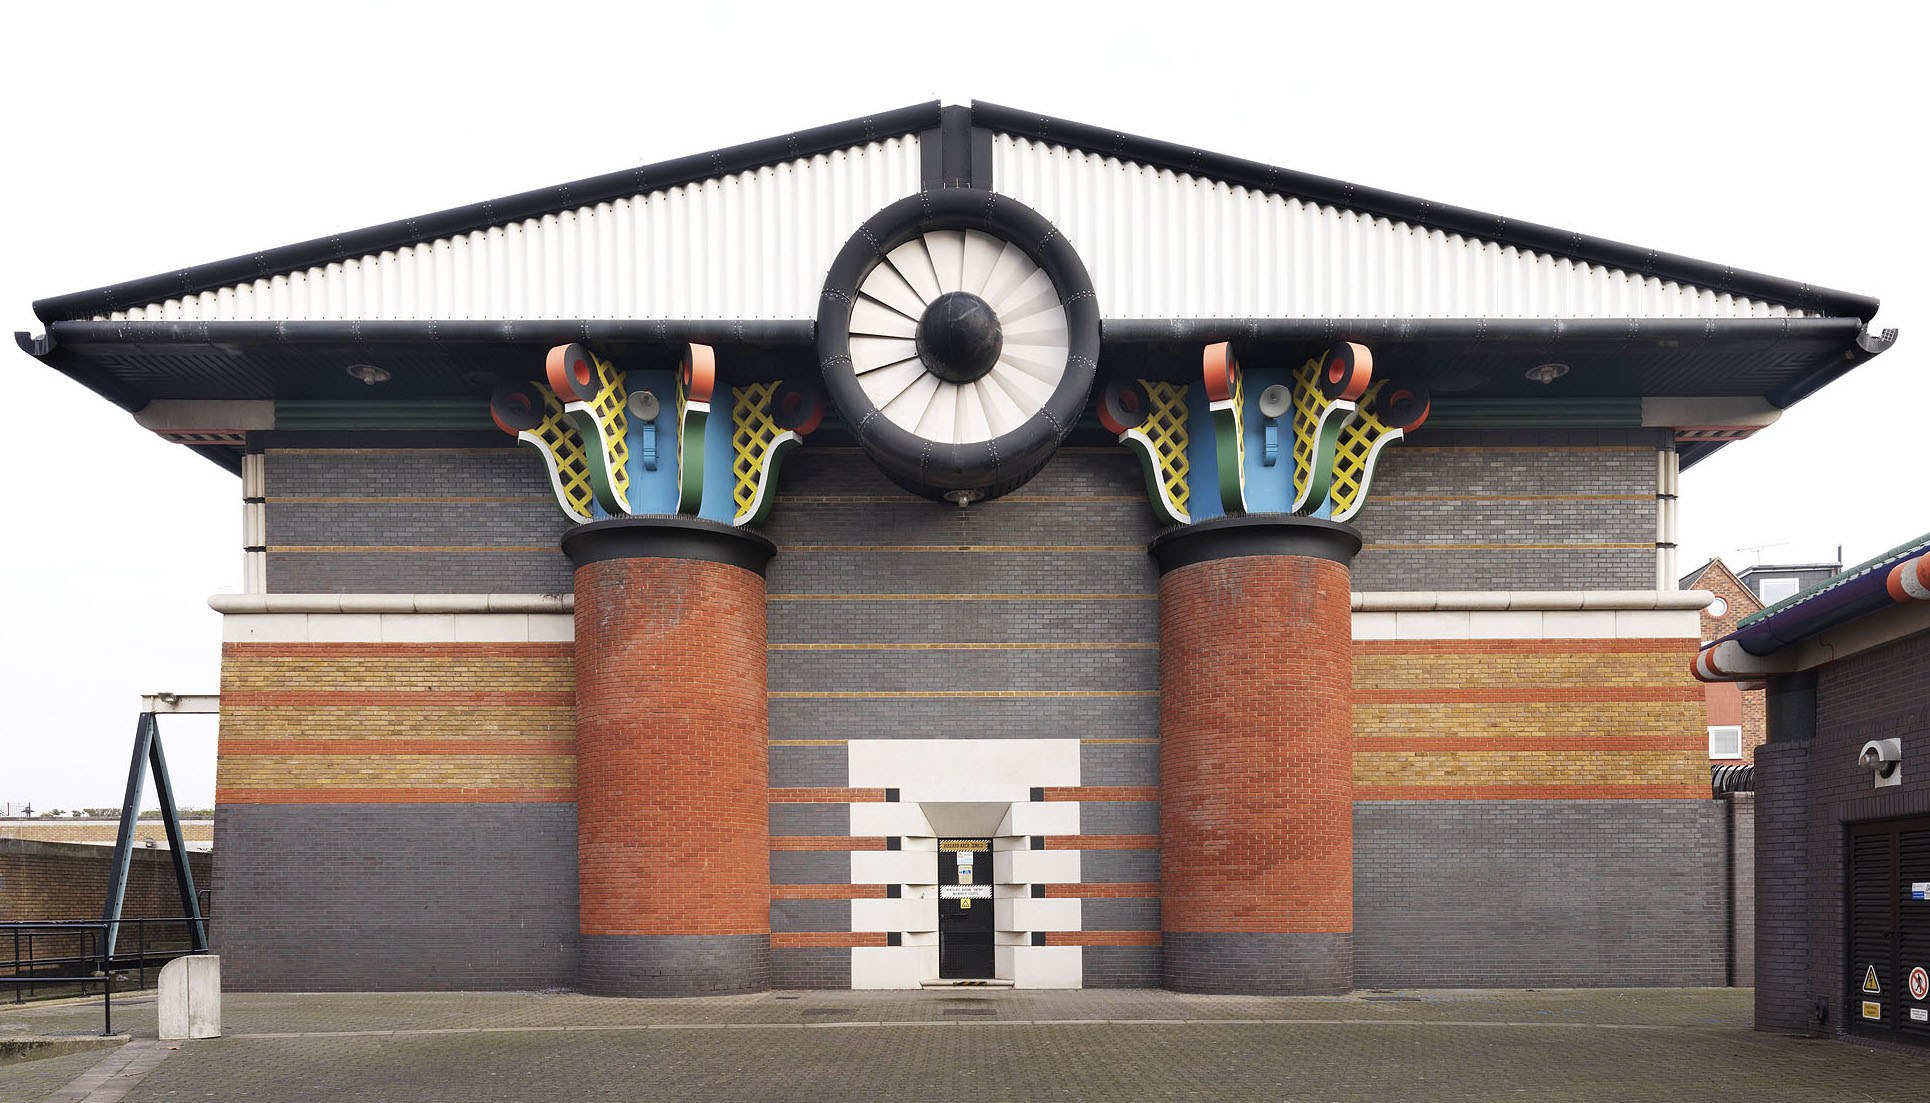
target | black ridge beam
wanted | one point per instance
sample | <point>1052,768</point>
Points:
<point>490,212</point>
<point>1406,208</point>
<point>561,331</point>
<point>1540,330</point>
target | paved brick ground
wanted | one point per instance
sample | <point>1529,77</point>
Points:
<point>1619,1045</point>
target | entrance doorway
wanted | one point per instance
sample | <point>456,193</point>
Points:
<point>1889,930</point>
<point>965,909</point>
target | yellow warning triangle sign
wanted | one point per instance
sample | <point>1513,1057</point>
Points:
<point>1870,986</point>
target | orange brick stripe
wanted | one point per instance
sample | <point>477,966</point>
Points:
<point>1102,938</point>
<point>1102,842</point>
<point>1581,742</point>
<point>1670,644</point>
<point>786,940</point>
<point>827,796</point>
<point>1531,792</point>
<point>287,699</point>
<point>827,842</point>
<point>827,892</point>
<point>1120,891</point>
<point>244,747</point>
<point>410,650</point>
<point>1537,694</point>
<point>346,795</point>
<point>1102,792</point>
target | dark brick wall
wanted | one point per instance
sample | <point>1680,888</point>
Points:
<point>1878,694</point>
<point>1783,872</point>
<point>396,897</point>
<point>810,967</point>
<point>1741,808</point>
<point>1539,893</point>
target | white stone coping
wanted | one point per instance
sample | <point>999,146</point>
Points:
<point>1417,601</point>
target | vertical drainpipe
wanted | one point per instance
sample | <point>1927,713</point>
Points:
<point>1785,997</point>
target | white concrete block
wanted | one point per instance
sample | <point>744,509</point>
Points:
<point>893,966</point>
<point>1036,867</point>
<point>189,997</point>
<point>1051,817</point>
<point>1040,966</point>
<point>492,628</point>
<point>1657,624</point>
<point>1431,626</point>
<point>344,627</point>
<point>1592,624</point>
<point>1029,914</point>
<point>1374,626</point>
<point>888,818</point>
<point>551,628</point>
<point>895,915</point>
<point>1514,624</point>
<point>963,769</point>
<point>893,867</point>
<point>418,627</point>
<point>264,628</point>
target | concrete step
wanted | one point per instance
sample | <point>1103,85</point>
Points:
<point>974,982</point>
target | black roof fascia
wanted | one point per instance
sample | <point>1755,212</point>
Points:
<point>1407,208</point>
<point>491,212</point>
<point>1543,330</point>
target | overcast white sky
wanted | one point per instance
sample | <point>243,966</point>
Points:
<point>1787,139</point>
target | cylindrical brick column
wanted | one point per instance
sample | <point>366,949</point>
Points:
<point>673,835</point>
<point>1256,756</point>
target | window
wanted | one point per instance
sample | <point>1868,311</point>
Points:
<point>1725,741</point>
<point>1773,590</point>
<point>1718,607</point>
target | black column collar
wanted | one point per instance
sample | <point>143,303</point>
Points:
<point>1254,534</point>
<point>668,538</point>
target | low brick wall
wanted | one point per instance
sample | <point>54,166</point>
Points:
<point>48,880</point>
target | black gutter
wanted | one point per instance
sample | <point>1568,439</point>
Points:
<point>1867,345</point>
<point>47,350</point>
<point>475,216</point>
<point>1407,208</point>
<point>1533,330</point>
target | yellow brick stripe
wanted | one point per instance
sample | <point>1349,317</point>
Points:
<point>411,771</point>
<point>1378,671</point>
<point>1402,768</point>
<point>1575,720</point>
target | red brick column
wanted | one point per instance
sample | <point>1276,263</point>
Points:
<point>1256,756</point>
<point>673,837</point>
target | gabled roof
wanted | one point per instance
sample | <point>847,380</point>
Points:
<point>1699,578</point>
<point>730,247</point>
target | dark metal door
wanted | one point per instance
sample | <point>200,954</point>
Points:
<point>965,909</point>
<point>1887,906</point>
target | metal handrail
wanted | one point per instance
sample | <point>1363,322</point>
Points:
<point>91,936</point>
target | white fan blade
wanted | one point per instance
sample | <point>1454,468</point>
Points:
<point>981,253</point>
<point>914,263</point>
<point>909,406</point>
<point>1009,271</point>
<point>1001,412</point>
<point>1046,329</point>
<point>888,287</point>
<point>885,384</point>
<point>868,316</point>
<point>1027,391</point>
<point>877,352</point>
<point>939,422</point>
<point>947,249</point>
<point>1040,364</point>
<point>972,424</point>
<point>1028,298</point>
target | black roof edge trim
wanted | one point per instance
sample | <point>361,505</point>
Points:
<point>1407,208</point>
<point>47,350</point>
<point>1867,346</point>
<point>1531,330</point>
<point>562,331</point>
<point>489,212</point>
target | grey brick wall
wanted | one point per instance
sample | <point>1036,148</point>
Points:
<point>395,897</point>
<point>810,967</point>
<point>1532,893</point>
<point>1742,889</point>
<point>1783,989</point>
<point>1121,966</point>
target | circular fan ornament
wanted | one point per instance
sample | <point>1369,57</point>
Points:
<point>959,336</point>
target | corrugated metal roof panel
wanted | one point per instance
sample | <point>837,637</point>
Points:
<point>1167,244</point>
<point>751,245</point>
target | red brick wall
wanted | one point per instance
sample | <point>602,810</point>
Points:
<point>46,880</point>
<point>1728,702</point>
<point>671,757</point>
<point>1256,746</point>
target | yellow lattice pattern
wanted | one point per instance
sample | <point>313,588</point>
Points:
<point>564,446</point>
<point>1357,440</point>
<point>1165,426</point>
<point>1239,423</point>
<point>753,433</point>
<point>1308,406</point>
<point>683,401</point>
<point>608,408</point>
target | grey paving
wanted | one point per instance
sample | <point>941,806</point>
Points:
<point>1621,1045</point>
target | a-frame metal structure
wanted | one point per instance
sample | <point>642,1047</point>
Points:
<point>148,756</point>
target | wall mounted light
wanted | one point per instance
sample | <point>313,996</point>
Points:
<point>1547,373</point>
<point>368,374</point>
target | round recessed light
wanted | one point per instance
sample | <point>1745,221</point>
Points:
<point>1547,373</point>
<point>367,374</point>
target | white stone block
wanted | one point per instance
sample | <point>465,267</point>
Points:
<point>1038,914</point>
<point>1374,626</point>
<point>551,628</point>
<point>1036,867</point>
<point>888,818</point>
<point>264,628</point>
<point>893,966</point>
<point>1593,624</point>
<point>912,914</point>
<point>963,769</point>
<point>1054,817</point>
<point>189,998</point>
<point>893,867</point>
<point>1041,966</point>
<point>492,628</point>
<point>1657,624</point>
<point>1514,624</point>
<point>1431,626</point>
<point>344,627</point>
<point>418,627</point>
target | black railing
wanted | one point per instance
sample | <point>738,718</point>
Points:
<point>47,958</point>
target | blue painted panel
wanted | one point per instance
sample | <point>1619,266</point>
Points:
<point>1203,464</point>
<point>655,491</point>
<point>718,505</point>
<point>1268,489</point>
